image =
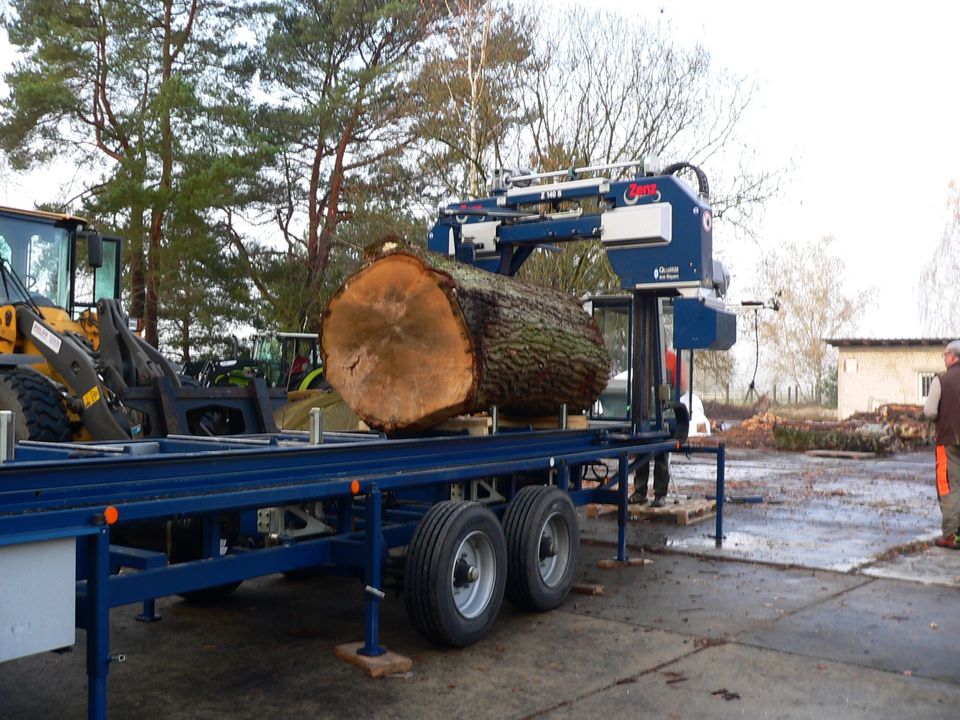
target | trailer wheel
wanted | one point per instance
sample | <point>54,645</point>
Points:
<point>38,408</point>
<point>543,547</point>
<point>455,573</point>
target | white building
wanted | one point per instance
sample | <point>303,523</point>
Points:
<point>876,372</point>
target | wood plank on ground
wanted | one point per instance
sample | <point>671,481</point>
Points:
<point>843,454</point>
<point>683,512</point>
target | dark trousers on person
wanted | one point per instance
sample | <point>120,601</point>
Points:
<point>661,478</point>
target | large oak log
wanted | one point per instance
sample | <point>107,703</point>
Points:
<point>414,338</point>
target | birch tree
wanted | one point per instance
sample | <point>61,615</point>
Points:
<point>815,305</point>
<point>939,289</point>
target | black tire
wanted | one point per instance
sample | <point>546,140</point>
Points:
<point>445,601</point>
<point>543,547</point>
<point>319,383</point>
<point>38,407</point>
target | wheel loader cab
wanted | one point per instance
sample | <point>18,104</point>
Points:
<point>53,272</point>
<point>58,261</point>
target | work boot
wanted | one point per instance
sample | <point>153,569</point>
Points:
<point>637,499</point>
<point>658,501</point>
<point>950,540</point>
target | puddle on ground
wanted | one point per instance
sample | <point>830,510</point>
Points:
<point>793,551</point>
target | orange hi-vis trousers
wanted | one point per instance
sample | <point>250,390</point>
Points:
<point>948,486</point>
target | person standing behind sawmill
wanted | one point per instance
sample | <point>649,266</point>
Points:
<point>943,406</point>
<point>661,462</point>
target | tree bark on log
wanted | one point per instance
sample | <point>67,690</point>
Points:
<point>414,338</point>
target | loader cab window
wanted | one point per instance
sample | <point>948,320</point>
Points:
<point>89,284</point>
<point>39,254</point>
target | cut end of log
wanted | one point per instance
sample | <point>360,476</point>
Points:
<point>403,357</point>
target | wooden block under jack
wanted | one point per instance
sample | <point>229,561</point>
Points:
<point>377,666</point>
<point>587,588</point>
<point>629,562</point>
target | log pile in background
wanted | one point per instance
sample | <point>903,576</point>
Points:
<point>891,428</point>
<point>414,338</point>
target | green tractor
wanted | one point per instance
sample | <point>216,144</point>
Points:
<point>288,360</point>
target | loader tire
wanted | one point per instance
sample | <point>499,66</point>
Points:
<point>37,405</point>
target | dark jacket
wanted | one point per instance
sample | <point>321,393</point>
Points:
<point>948,416</point>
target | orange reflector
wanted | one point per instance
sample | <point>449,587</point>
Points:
<point>111,515</point>
<point>355,487</point>
<point>678,446</point>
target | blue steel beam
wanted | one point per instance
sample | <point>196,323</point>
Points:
<point>295,474</point>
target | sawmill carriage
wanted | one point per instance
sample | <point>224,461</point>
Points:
<point>482,517</point>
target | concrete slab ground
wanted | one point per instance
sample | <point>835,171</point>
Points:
<point>733,681</point>
<point>815,512</point>
<point>799,620</point>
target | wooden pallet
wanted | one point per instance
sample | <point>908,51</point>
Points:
<point>686,512</point>
<point>595,510</point>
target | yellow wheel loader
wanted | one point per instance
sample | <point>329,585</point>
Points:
<point>71,368</point>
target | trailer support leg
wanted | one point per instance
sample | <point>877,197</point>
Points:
<point>149,612</point>
<point>622,474</point>
<point>372,593</point>
<point>721,455</point>
<point>563,477</point>
<point>98,624</point>
<point>211,536</point>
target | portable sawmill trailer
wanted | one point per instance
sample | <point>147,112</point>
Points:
<point>481,517</point>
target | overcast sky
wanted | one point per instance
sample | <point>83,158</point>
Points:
<point>856,96</point>
<point>860,98</point>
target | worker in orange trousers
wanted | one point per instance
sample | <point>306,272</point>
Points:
<point>943,406</point>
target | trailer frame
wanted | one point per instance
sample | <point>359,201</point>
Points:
<point>378,489</point>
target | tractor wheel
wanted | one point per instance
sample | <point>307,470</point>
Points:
<point>319,383</point>
<point>39,411</point>
<point>455,573</point>
<point>543,546</point>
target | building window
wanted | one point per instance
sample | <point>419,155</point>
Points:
<point>850,365</point>
<point>925,379</point>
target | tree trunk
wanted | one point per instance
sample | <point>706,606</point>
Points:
<point>414,338</point>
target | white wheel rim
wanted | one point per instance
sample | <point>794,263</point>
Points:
<point>473,575</point>
<point>554,549</point>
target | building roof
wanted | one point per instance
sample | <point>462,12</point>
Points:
<point>887,342</point>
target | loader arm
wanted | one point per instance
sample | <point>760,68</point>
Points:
<point>75,366</point>
<point>128,361</point>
